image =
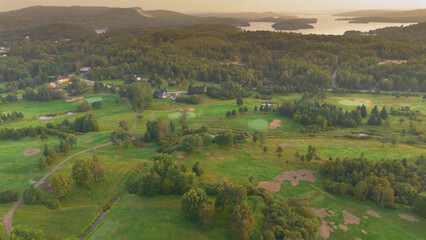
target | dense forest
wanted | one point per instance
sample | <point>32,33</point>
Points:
<point>269,62</point>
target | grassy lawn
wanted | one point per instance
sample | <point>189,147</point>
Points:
<point>157,218</point>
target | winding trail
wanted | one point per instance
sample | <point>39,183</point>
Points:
<point>7,218</point>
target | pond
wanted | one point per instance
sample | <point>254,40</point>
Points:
<point>50,116</point>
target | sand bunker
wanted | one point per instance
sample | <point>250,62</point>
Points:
<point>274,124</point>
<point>88,141</point>
<point>343,227</point>
<point>181,156</point>
<point>363,100</point>
<point>221,158</point>
<point>408,217</point>
<point>285,145</point>
<point>189,109</point>
<point>74,99</point>
<point>324,228</point>
<point>270,186</point>
<point>365,232</point>
<point>349,218</point>
<point>373,213</point>
<point>31,151</point>
<point>296,176</point>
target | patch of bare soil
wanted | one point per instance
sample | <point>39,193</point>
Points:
<point>363,100</point>
<point>221,158</point>
<point>285,145</point>
<point>386,61</point>
<point>29,172</point>
<point>296,176</point>
<point>106,140</point>
<point>116,156</point>
<point>74,99</point>
<point>208,154</point>
<point>365,217</point>
<point>343,227</point>
<point>408,217</point>
<point>274,124</point>
<point>334,227</point>
<point>373,213</point>
<point>331,212</point>
<point>365,232</point>
<point>270,186</point>
<point>189,109</point>
<point>181,156</point>
<point>358,239</point>
<point>321,212</point>
<point>31,151</point>
<point>349,218</point>
<point>47,187</point>
<point>88,141</point>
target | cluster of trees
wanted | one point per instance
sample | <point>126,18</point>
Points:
<point>22,232</point>
<point>165,177</point>
<point>85,106</point>
<point>140,93</point>
<point>389,182</point>
<point>192,90</point>
<point>376,117</point>
<point>11,98</point>
<point>322,115</point>
<point>233,113</point>
<point>290,219</point>
<point>194,99</point>
<point>121,136</point>
<point>10,195</point>
<point>11,117</point>
<point>313,154</point>
<point>44,93</point>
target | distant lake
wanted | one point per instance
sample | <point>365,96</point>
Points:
<point>326,24</point>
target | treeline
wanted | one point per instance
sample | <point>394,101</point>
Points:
<point>321,115</point>
<point>44,93</point>
<point>12,117</point>
<point>194,99</point>
<point>389,182</point>
<point>264,60</point>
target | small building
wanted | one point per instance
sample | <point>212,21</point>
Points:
<point>52,84</point>
<point>62,79</point>
<point>163,95</point>
<point>85,69</point>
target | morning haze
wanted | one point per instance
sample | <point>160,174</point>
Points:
<point>226,5</point>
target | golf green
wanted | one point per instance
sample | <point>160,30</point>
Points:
<point>258,124</point>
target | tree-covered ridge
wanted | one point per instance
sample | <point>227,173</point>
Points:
<point>282,62</point>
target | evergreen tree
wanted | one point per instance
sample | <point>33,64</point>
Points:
<point>245,109</point>
<point>240,101</point>
<point>384,113</point>
<point>234,113</point>
<point>255,108</point>
<point>363,111</point>
<point>63,146</point>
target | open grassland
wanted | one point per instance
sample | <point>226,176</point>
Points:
<point>161,217</point>
<point>83,204</point>
<point>157,218</point>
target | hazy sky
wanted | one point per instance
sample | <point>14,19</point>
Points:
<point>226,5</point>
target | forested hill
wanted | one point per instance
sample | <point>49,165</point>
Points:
<point>418,15</point>
<point>413,31</point>
<point>101,18</point>
<point>270,62</point>
<point>55,32</point>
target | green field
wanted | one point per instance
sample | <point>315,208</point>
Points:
<point>161,217</point>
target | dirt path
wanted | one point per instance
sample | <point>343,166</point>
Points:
<point>7,218</point>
